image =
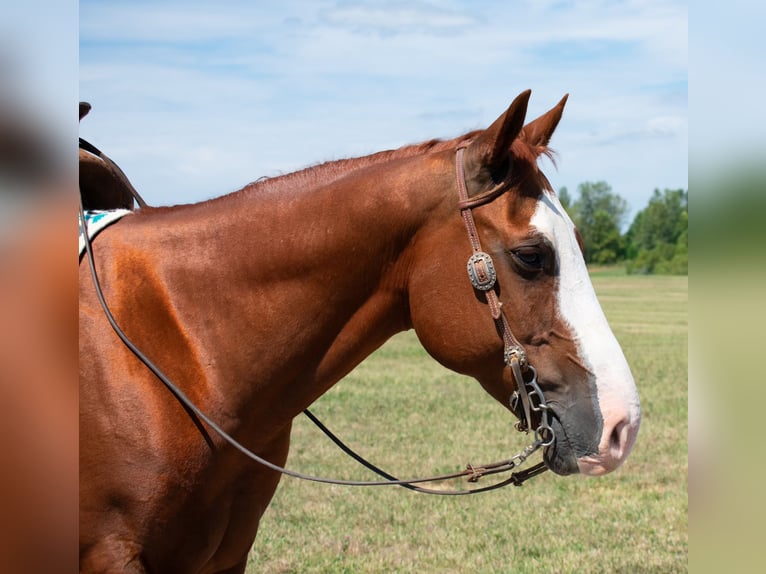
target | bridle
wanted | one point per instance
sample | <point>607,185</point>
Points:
<point>481,272</point>
<point>483,277</point>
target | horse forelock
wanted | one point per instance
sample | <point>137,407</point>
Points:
<point>529,178</point>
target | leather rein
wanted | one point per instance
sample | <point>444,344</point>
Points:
<point>483,277</point>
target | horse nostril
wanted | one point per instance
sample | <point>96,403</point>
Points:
<point>617,439</point>
<point>616,443</point>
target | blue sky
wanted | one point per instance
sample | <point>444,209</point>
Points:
<point>196,99</point>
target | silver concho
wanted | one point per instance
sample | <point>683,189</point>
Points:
<point>481,270</point>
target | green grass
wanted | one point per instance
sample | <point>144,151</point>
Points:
<point>616,270</point>
<point>412,417</point>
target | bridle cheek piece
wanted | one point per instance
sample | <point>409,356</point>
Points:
<point>483,276</point>
<point>481,271</point>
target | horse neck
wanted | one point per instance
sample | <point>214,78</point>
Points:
<point>308,281</point>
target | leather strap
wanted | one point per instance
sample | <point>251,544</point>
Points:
<point>514,354</point>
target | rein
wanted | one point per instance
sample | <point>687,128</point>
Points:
<point>483,277</point>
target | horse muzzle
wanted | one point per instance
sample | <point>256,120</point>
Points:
<point>587,445</point>
<point>560,457</point>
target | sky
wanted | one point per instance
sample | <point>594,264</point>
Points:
<point>196,99</point>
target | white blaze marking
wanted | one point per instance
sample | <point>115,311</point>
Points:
<point>597,346</point>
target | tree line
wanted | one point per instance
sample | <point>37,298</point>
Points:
<point>656,241</point>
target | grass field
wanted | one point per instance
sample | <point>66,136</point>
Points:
<point>412,417</point>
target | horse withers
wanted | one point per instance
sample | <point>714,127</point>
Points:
<point>257,302</point>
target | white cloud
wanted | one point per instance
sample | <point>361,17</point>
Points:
<point>397,17</point>
<point>272,87</point>
<point>163,22</point>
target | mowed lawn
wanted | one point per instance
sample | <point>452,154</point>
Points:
<point>412,417</point>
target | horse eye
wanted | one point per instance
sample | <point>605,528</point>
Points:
<point>529,257</point>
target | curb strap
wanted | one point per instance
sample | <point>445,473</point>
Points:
<point>481,271</point>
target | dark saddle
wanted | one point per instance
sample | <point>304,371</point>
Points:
<point>103,185</point>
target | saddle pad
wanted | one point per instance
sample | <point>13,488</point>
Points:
<point>97,220</point>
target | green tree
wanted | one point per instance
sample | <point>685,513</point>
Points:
<point>658,239</point>
<point>599,214</point>
<point>564,198</point>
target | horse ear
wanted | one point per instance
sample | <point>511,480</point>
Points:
<point>487,155</point>
<point>491,146</point>
<point>538,132</point>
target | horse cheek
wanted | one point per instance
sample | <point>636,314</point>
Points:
<point>448,327</point>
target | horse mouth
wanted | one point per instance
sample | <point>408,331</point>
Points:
<point>560,457</point>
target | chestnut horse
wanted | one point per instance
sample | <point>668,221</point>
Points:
<point>257,302</point>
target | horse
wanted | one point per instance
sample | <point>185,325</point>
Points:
<point>257,302</point>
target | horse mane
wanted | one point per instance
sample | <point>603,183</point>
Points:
<point>325,173</point>
<point>329,171</point>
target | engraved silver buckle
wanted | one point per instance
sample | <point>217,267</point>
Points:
<point>481,271</point>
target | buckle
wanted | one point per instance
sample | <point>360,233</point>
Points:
<point>481,271</point>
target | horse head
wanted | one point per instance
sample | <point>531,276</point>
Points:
<point>543,287</point>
